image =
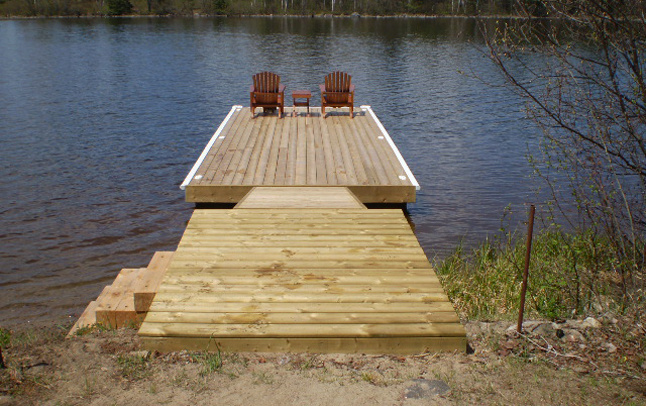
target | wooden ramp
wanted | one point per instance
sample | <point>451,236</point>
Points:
<point>336,151</point>
<point>301,280</point>
<point>300,198</point>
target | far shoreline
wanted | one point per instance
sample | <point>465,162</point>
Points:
<point>313,16</point>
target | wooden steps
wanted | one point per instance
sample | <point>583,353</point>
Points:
<point>148,282</point>
<point>124,303</point>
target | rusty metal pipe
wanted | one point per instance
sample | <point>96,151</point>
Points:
<point>523,289</point>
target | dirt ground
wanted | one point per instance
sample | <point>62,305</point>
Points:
<point>552,364</point>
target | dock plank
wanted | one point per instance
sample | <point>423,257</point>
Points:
<point>333,169</point>
<point>210,317</point>
<point>212,170</point>
<point>369,345</point>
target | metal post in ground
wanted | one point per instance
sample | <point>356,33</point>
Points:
<point>523,290</point>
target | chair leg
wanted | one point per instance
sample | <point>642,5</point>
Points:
<point>323,111</point>
<point>253,109</point>
<point>351,112</point>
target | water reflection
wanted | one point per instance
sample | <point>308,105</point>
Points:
<point>103,118</point>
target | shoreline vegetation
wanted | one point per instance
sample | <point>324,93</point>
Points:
<point>249,8</point>
<point>572,274</point>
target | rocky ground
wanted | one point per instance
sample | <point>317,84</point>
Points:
<point>598,361</point>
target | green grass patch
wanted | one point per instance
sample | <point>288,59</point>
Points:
<point>570,274</point>
<point>210,361</point>
<point>133,367</point>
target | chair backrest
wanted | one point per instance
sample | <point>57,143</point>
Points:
<point>266,82</point>
<point>337,85</point>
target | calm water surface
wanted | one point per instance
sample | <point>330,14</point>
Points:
<point>100,120</point>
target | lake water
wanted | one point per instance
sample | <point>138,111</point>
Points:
<point>101,119</point>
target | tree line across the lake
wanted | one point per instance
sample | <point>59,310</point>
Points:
<point>32,8</point>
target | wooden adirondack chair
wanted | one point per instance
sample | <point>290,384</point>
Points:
<point>338,91</point>
<point>267,92</point>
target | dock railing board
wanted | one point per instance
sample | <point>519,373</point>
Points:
<point>301,151</point>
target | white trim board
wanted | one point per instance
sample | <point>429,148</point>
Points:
<point>398,154</point>
<point>206,150</point>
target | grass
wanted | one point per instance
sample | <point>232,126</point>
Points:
<point>210,361</point>
<point>570,274</point>
<point>133,367</point>
<point>85,330</point>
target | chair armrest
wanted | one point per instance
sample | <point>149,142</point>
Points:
<point>252,89</point>
<point>351,88</point>
<point>322,87</point>
<point>281,88</point>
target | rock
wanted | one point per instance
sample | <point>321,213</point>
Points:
<point>591,322</point>
<point>424,388</point>
<point>531,325</point>
<point>574,324</point>
<point>610,347</point>
<point>511,329</point>
<point>572,336</point>
<point>545,330</point>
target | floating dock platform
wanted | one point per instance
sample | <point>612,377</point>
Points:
<point>300,263</point>
<point>247,152</point>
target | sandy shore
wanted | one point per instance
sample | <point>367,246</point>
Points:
<point>108,368</point>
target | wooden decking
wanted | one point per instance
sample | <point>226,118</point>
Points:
<point>300,264</point>
<point>306,280</point>
<point>301,151</point>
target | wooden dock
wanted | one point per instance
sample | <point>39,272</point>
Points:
<point>301,280</point>
<point>301,151</point>
<point>300,263</point>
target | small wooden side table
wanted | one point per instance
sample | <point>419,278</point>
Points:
<point>301,94</point>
